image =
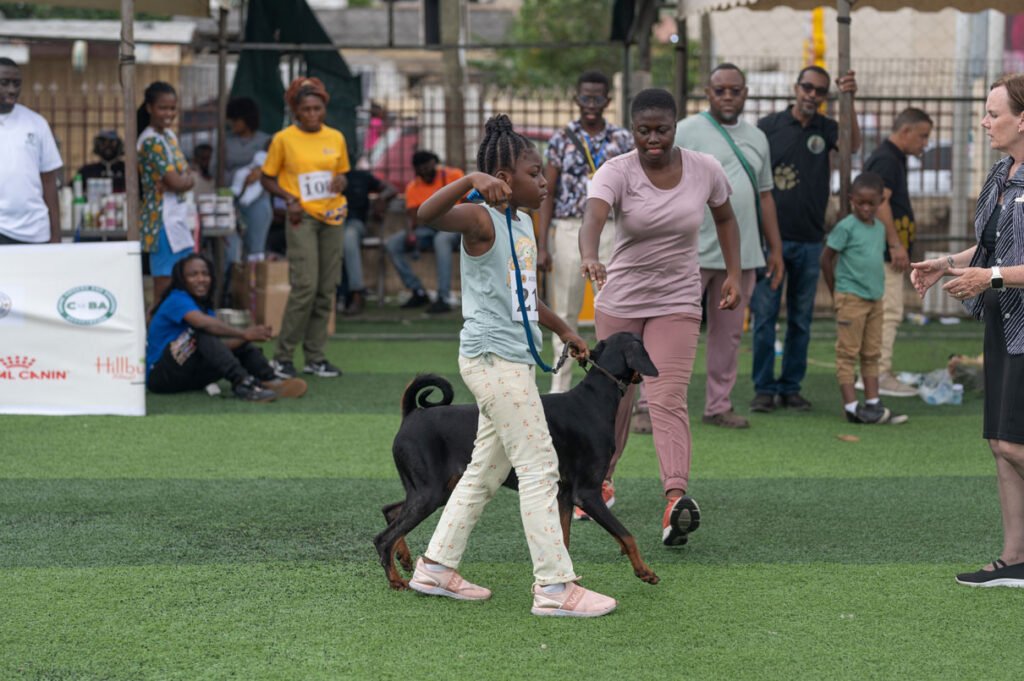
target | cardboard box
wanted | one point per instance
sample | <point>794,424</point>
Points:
<point>268,306</point>
<point>270,273</point>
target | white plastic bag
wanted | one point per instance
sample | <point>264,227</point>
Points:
<point>938,388</point>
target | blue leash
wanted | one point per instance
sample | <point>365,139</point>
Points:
<point>475,197</point>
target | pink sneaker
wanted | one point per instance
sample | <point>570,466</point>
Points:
<point>607,493</point>
<point>573,601</point>
<point>446,582</point>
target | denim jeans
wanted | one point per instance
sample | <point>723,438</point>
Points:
<point>802,270</point>
<point>443,244</point>
<point>352,251</point>
<point>256,217</point>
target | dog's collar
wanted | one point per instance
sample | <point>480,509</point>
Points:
<point>622,386</point>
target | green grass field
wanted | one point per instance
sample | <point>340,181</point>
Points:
<point>220,540</point>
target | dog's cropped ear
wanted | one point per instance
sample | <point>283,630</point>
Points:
<point>639,361</point>
<point>595,354</point>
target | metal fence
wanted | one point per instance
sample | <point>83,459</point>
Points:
<point>418,119</point>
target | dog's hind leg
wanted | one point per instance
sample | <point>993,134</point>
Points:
<point>565,511</point>
<point>391,540</point>
<point>404,556</point>
<point>602,515</point>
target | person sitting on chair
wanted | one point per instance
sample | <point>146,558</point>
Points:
<point>430,176</point>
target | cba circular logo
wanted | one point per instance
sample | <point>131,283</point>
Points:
<point>816,144</point>
<point>5,304</point>
<point>87,305</point>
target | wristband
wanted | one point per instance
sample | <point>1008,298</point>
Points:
<point>949,262</point>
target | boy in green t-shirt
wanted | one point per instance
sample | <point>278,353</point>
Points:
<point>853,265</point>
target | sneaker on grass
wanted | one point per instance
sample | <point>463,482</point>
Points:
<point>323,369</point>
<point>607,493</point>
<point>250,390</point>
<point>438,580</point>
<point>571,601</point>
<point>283,369</point>
<point>890,386</point>
<point>1001,574</point>
<point>287,387</point>
<point>682,516</point>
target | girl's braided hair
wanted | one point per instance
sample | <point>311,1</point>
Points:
<point>501,146</point>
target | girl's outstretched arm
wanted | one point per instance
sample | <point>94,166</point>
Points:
<point>440,212</point>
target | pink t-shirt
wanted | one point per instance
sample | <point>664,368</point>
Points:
<point>654,270</point>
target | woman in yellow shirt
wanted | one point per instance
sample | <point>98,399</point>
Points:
<point>306,166</point>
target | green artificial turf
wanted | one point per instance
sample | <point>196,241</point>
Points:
<point>215,539</point>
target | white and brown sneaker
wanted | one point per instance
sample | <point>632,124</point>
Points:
<point>445,582</point>
<point>287,387</point>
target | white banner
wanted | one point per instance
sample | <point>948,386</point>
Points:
<point>72,329</point>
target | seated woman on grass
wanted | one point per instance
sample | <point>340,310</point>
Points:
<point>188,347</point>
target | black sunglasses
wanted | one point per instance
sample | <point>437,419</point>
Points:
<point>734,91</point>
<point>592,100</point>
<point>810,87</point>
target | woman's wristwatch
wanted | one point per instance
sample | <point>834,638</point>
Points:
<point>997,278</point>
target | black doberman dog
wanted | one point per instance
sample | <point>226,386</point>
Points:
<point>434,444</point>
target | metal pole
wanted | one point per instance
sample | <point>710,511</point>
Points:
<point>845,107</point>
<point>682,79</point>
<point>222,94</point>
<point>455,115</point>
<point>126,62</point>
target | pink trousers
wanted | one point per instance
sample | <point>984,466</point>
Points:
<point>671,342</point>
<point>725,329</point>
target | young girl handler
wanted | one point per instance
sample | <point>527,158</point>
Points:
<point>497,367</point>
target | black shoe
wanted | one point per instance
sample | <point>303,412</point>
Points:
<point>763,403</point>
<point>868,413</point>
<point>250,390</point>
<point>1001,575</point>
<point>795,402</point>
<point>439,306</point>
<point>417,299</point>
<point>283,369</point>
<point>681,518</point>
<point>323,369</point>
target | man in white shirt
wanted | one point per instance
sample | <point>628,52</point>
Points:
<point>28,173</point>
<point>742,149</point>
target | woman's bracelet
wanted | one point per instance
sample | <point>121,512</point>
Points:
<point>949,262</point>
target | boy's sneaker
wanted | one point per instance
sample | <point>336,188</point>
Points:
<point>682,516</point>
<point>890,386</point>
<point>323,369</point>
<point>607,493</point>
<point>875,414</point>
<point>283,369</point>
<point>572,601</point>
<point>250,390</point>
<point>445,582</point>
<point>287,387</point>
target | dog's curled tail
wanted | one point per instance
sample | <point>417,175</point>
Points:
<point>420,388</point>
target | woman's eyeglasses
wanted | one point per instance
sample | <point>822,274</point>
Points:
<point>734,91</point>
<point>810,87</point>
<point>591,100</point>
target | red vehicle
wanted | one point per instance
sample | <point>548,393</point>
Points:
<point>391,156</point>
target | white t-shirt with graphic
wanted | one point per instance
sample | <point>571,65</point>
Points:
<point>28,150</point>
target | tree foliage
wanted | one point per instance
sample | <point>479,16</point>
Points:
<point>556,22</point>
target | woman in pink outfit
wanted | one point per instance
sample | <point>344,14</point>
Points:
<point>652,286</point>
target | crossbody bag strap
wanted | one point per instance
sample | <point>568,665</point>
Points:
<point>751,175</point>
<point>581,146</point>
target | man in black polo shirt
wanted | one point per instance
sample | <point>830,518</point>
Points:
<point>910,131</point>
<point>800,140</point>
